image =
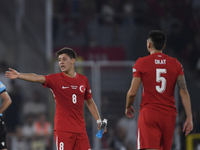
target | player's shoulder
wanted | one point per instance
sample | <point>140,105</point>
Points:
<point>2,86</point>
<point>54,74</point>
<point>140,61</point>
<point>144,58</point>
<point>172,59</point>
<point>81,76</point>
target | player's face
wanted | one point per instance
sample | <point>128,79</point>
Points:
<point>65,62</point>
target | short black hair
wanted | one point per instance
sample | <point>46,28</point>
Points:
<point>158,38</point>
<point>66,50</point>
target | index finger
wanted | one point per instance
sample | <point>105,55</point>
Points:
<point>10,69</point>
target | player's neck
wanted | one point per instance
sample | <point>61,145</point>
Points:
<point>71,74</point>
<point>153,51</point>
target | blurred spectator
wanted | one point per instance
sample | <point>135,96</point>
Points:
<point>119,141</point>
<point>131,127</point>
<point>107,12</point>
<point>35,106</point>
<point>18,142</point>
<point>128,10</point>
<point>42,130</point>
<point>27,127</point>
<point>13,113</point>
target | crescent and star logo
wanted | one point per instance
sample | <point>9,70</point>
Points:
<point>82,88</point>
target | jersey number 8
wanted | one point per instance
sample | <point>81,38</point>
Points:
<point>74,98</point>
<point>159,79</point>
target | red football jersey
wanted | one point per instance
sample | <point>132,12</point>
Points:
<point>69,94</point>
<point>159,73</point>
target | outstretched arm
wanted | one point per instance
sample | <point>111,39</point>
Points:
<point>131,96</point>
<point>6,101</point>
<point>13,74</point>
<point>188,125</point>
<point>94,111</point>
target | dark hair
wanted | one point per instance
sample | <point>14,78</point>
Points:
<point>158,38</point>
<point>66,50</point>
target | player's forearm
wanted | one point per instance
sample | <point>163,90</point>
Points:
<point>93,109</point>
<point>130,99</point>
<point>186,103</point>
<point>5,104</point>
<point>184,95</point>
<point>131,94</point>
<point>30,77</point>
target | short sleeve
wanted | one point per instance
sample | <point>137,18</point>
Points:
<point>137,69</point>
<point>88,91</point>
<point>48,81</point>
<point>2,87</point>
<point>180,68</point>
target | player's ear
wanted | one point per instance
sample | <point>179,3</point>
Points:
<point>73,60</point>
<point>149,44</point>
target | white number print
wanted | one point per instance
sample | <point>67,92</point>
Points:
<point>161,79</point>
<point>61,146</point>
<point>74,98</point>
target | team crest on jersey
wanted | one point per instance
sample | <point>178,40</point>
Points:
<point>134,70</point>
<point>82,88</point>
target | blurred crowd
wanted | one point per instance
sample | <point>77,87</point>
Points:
<point>26,119</point>
<point>179,19</point>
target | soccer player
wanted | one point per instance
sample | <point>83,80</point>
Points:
<point>69,89</point>
<point>6,102</point>
<point>159,73</point>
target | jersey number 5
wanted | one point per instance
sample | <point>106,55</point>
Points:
<point>159,79</point>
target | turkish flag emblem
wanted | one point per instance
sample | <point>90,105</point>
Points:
<point>82,89</point>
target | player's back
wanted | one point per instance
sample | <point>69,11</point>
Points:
<point>159,73</point>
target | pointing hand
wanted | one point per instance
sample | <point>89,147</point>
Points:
<point>12,74</point>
